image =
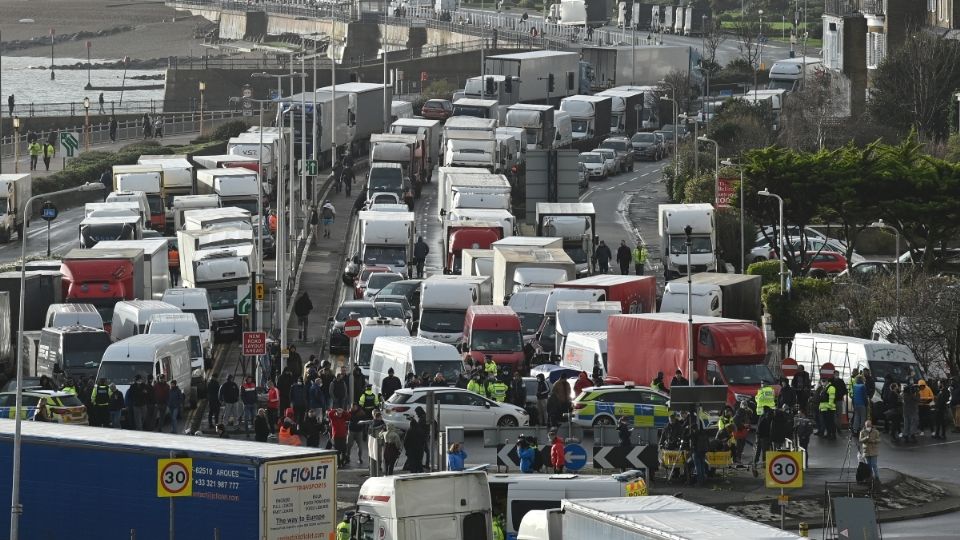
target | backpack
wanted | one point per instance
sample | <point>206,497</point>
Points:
<point>864,473</point>
<point>841,388</point>
<point>326,212</point>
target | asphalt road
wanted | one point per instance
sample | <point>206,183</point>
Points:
<point>64,235</point>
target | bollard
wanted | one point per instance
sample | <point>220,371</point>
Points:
<point>804,529</point>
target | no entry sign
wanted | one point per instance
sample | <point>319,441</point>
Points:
<point>827,370</point>
<point>352,328</point>
<point>788,367</point>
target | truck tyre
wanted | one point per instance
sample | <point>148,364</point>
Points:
<point>507,421</point>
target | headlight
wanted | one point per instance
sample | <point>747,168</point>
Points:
<point>742,397</point>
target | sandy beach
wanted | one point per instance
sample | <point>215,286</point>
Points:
<point>159,31</point>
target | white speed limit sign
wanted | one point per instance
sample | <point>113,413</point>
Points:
<point>784,470</point>
<point>175,477</point>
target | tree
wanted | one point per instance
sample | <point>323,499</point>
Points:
<point>811,115</point>
<point>914,85</point>
<point>747,34</point>
<point>677,84</point>
<point>713,38</point>
<point>739,126</point>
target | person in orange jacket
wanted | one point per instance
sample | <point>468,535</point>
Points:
<point>558,455</point>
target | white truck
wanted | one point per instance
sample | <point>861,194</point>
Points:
<point>405,355</point>
<point>210,219</point>
<point>580,316</point>
<point>477,262</point>
<point>156,270</point>
<point>431,131</point>
<point>15,190</point>
<point>673,219</point>
<point>249,145</point>
<point>148,179</point>
<point>649,106</point>
<point>732,296</point>
<point>184,203</point>
<point>484,216</point>
<point>569,13</point>
<point>517,268</point>
<point>234,186</point>
<point>97,229</point>
<point>392,508</point>
<point>529,242</point>
<point>787,74</point>
<point>537,121</point>
<point>626,110</point>
<point>654,517</point>
<point>445,177</point>
<point>585,351</point>
<point>443,305</point>
<point>536,69</point>
<point>470,142</point>
<point>386,239</point>
<point>464,191</point>
<point>223,271</point>
<point>220,161</point>
<point>589,115</point>
<point>505,89</point>
<point>177,178</point>
<point>115,208</point>
<point>576,223</point>
<point>365,111</point>
<point>613,66</point>
<point>479,108</point>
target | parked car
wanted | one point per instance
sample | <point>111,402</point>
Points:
<point>594,164</point>
<point>623,149</point>
<point>606,405</point>
<point>610,163</point>
<point>377,281</point>
<point>647,145</point>
<point>63,407</point>
<point>437,109</point>
<point>763,250</point>
<point>360,285</point>
<point>825,263</point>
<point>457,407</point>
<point>866,271</point>
<point>340,343</point>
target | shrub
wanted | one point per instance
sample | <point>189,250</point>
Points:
<point>787,320</point>
<point>769,271</point>
<point>225,131</point>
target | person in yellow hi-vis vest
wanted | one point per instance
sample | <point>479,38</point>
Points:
<point>34,149</point>
<point>639,258</point>
<point>343,528</point>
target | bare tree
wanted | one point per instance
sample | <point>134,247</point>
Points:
<point>677,82</point>
<point>713,38</point>
<point>747,34</point>
<point>810,115</point>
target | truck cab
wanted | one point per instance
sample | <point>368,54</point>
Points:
<point>580,316</point>
<point>493,331</point>
<point>462,235</point>
<point>15,191</point>
<point>443,306</point>
<point>392,507</point>
<point>673,219</point>
<point>386,178</point>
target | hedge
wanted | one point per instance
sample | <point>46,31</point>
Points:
<point>769,271</point>
<point>783,311</point>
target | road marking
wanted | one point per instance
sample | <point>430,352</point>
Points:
<point>645,174</point>
<point>586,194</point>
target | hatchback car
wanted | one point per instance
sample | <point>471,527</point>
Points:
<point>63,407</point>
<point>377,281</point>
<point>593,163</point>
<point>624,151</point>
<point>360,285</point>
<point>605,405</point>
<point>646,146</point>
<point>610,161</point>
<point>409,288</point>
<point>825,263</point>
<point>437,109</point>
<point>339,342</point>
<point>457,407</point>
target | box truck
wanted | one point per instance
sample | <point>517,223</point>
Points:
<point>500,88</point>
<point>431,131</point>
<point>192,202</point>
<point>102,277</point>
<point>626,110</point>
<point>156,269</point>
<point>15,190</point>
<point>734,296</point>
<point>636,294</point>
<point>443,305</point>
<point>580,316</point>
<point>365,110</point>
<point>516,268</point>
<point>148,179</point>
<point>673,220</point>
<point>536,70</point>
<point>589,117</point>
<point>576,224</point>
<point>537,121</point>
<point>386,239</point>
<point>493,332</point>
<point>234,186</point>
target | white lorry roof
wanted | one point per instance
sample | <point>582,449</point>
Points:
<point>402,496</point>
<point>565,208</point>
<point>524,241</point>
<point>420,349</point>
<point>531,300</point>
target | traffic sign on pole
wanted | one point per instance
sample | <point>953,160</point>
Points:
<point>784,470</point>
<point>827,370</point>
<point>243,306</point>
<point>352,328</point>
<point>574,456</point>
<point>254,343</point>
<point>48,212</point>
<point>312,168</point>
<point>260,291</point>
<point>788,367</point>
<point>175,477</point>
<point>69,144</point>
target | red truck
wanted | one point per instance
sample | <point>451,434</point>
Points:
<point>636,294</point>
<point>731,350</point>
<point>493,331</point>
<point>467,235</point>
<point>102,277</point>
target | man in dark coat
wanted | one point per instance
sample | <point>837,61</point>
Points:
<point>603,255</point>
<point>391,383</point>
<point>624,256</point>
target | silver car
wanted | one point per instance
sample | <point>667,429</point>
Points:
<point>610,161</point>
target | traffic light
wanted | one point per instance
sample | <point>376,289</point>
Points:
<point>550,81</point>
<point>491,87</point>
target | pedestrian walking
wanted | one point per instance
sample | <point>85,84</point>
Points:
<point>339,392</point>
<point>48,152</point>
<point>391,448</point>
<point>158,127</point>
<point>414,444</point>
<point>284,382</point>
<point>100,397</point>
<point>543,393</point>
<point>870,441</point>
<point>316,398</point>
<point>911,412</point>
<point>294,362</point>
<point>603,255</point>
<point>161,398</point>
<point>248,396</point>
<point>261,426</point>
<point>299,399</point>
<point>116,406</point>
<point>420,252</point>
<point>10,104</point>
<point>355,433</point>
<point>174,406</point>
<point>338,432</point>
<point>101,103</point>
<point>624,256</point>
<point>310,428</point>
<point>273,405</point>
<point>941,415</point>
<point>147,126</point>
<point>213,401</point>
<point>327,214</point>
<point>639,258</point>
<point>302,308</point>
<point>113,129</point>
<point>138,393</point>
<point>34,149</point>
<point>230,400</point>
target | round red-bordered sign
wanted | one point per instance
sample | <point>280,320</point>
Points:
<point>352,328</point>
<point>788,367</point>
<point>174,477</point>
<point>783,470</point>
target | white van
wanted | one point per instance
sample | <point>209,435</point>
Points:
<point>130,317</point>
<point>529,305</point>
<point>73,315</point>
<point>370,329</point>
<point>412,355</point>
<point>513,495</point>
<point>563,126</point>
<point>582,316</point>
<point>116,208</point>
<point>146,354</point>
<point>584,350</point>
<point>846,353</point>
<point>197,303</point>
<point>182,324</point>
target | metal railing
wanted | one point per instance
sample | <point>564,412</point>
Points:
<point>99,133</point>
<point>75,108</point>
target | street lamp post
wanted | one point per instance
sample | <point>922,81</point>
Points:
<point>86,123</point>
<point>203,86</point>
<point>15,508</point>
<point>16,144</point>
<point>676,159</point>
<point>688,231</point>
<point>386,96</point>
<point>756,71</point>
<point>766,193</point>
<point>896,259</point>
<point>716,174</point>
<point>743,248</point>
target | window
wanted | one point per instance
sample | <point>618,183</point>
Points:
<point>475,527</point>
<point>654,398</point>
<point>471,400</point>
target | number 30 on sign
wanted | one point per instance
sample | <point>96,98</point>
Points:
<point>784,470</point>
<point>175,477</point>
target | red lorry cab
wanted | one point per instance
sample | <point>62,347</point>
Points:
<point>467,236</point>
<point>102,277</point>
<point>636,294</point>
<point>493,331</point>
<point>729,350</point>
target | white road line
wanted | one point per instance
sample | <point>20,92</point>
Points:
<point>645,174</point>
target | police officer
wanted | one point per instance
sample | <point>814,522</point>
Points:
<point>765,398</point>
<point>828,410</point>
<point>100,397</point>
<point>343,528</point>
<point>639,257</point>
<point>34,149</point>
<point>490,367</point>
<point>475,386</point>
<point>70,387</point>
<point>497,390</point>
<point>369,401</point>
<point>657,384</point>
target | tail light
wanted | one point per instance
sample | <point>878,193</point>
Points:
<point>579,405</point>
<point>399,409</point>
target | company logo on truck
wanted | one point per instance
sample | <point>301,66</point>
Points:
<point>298,475</point>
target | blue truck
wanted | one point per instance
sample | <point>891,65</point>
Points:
<point>87,482</point>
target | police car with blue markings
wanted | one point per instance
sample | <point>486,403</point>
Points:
<point>605,405</point>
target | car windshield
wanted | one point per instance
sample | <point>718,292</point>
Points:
<point>391,309</point>
<point>747,374</point>
<point>379,279</point>
<point>400,289</point>
<point>201,315</point>
<point>385,255</point>
<point>442,320</point>
<point>614,145</point>
<point>224,298</point>
<point>530,322</point>
<point>449,368</point>
<point>607,153</point>
<point>361,311</point>
<point>699,245</point>
<point>549,334</point>
<point>591,158</point>
<point>69,401</point>
<point>84,349</point>
<point>644,138</point>
<point>124,372</point>
<point>363,355</point>
<point>495,340</point>
<point>91,234</point>
<point>388,179</point>
<point>901,371</point>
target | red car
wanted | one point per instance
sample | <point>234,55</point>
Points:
<point>360,284</point>
<point>825,263</point>
<point>437,109</point>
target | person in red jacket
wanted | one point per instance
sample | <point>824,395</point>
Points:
<point>583,381</point>
<point>558,455</point>
<point>273,405</point>
<point>338,432</point>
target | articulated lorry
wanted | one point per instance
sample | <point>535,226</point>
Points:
<point>576,223</point>
<point>673,220</point>
<point>626,110</point>
<point>386,239</point>
<point>408,151</point>
<point>537,121</point>
<point>431,131</point>
<point>238,489</point>
<point>177,178</point>
<point>536,70</point>
<point>328,110</point>
<point>471,142</point>
<point>734,296</point>
<point>102,277</point>
<point>366,113</point>
<point>15,191</point>
<point>517,268</point>
<point>614,66</point>
<point>156,271</point>
<point>223,270</point>
<point>590,118</point>
<point>503,89</point>
<point>479,108</point>
<point>237,187</point>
